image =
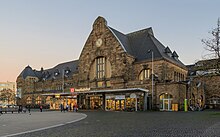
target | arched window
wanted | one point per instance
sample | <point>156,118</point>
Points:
<point>100,71</point>
<point>145,74</point>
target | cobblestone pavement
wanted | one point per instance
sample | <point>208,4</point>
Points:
<point>139,124</point>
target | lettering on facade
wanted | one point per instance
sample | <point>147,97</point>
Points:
<point>118,97</point>
<point>81,89</point>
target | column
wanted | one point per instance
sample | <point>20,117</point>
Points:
<point>103,101</point>
<point>145,101</point>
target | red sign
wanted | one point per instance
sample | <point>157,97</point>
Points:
<point>72,90</point>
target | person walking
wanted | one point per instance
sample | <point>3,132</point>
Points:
<point>29,109</point>
<point>75,108</point>
<point>41,108</point>
<point>67,107</point>
<point>61,107</point>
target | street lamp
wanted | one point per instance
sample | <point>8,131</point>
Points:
<point>152,75</point>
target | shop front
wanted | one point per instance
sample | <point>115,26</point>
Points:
<point>133,99</point>
<point>54,100</point>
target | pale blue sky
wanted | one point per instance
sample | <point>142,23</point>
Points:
<point>44,33</point>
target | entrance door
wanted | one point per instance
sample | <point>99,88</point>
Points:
<point>167,104</point>
<point>119,104</point>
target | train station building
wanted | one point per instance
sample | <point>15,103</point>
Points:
<point>115,71</point>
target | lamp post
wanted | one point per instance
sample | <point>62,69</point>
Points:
<point>63,81</point>
<point>152,76</point>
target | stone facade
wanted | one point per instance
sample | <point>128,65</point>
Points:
<point>205,76</point>
<point>109,61</point>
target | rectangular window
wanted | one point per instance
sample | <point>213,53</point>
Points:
<point>100,84</point>
<point>108,83</point>
<point>101,67</point>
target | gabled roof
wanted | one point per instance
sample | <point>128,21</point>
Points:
<point>167,50</point>
<point>139,43</point>
<point>70,66</point>
<point>60,69</point>
<point>27,72</point>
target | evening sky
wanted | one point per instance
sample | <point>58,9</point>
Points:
<point>44,33</point>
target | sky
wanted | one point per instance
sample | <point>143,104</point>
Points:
<point>44,33</point>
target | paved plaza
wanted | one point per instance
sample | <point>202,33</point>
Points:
<point>20,123</point>
<point>114,124</point>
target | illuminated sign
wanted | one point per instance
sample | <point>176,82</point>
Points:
<point>81,89</point>
<point>72,90</point>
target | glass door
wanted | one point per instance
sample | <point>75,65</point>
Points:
<point>119,104</point>
<point>167,104</point>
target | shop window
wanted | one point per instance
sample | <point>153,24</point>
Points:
<point>29,100</point>
<point>145,74</point>
<point>38,100</point>
<point>48,100</point>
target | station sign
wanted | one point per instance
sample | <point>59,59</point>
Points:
<point>72,90</point>
<point>81,89</point>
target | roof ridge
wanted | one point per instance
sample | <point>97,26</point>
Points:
<point>148,30</point>
<point>64,63</point>
<point>117,30</point>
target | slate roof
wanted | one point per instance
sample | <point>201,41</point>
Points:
<point>28,71</point>
<point>139,43</point>
<point>53,73</point>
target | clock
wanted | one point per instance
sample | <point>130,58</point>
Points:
<point>98,42</point>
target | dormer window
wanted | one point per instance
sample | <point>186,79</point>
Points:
<point>56,74</point>
<point>168,51</point>
<point>67,70</point>
<point>175,56</point>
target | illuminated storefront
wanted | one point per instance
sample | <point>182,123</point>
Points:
<point>133,99</point>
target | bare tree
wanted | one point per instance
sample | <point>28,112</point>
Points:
<point>213,44</point>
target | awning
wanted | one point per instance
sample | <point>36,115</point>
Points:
<point>61,94</point>
<point>114,91</point>
<point>130,90</point>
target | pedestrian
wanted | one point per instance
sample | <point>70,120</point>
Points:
<point>67,107</point>
<point>70,106</point>
<point>61,107</point>
<point>0,110</point>
<point>41,108</point>
<point>29,109</point>
<point>75,108</point>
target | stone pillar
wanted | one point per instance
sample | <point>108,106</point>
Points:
<point>79,103</point>
<point>103,101</point>
<point>88,103</point>
<point>145,101</point>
